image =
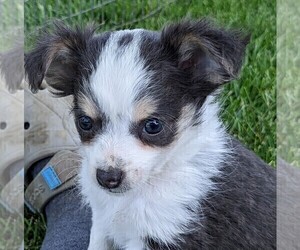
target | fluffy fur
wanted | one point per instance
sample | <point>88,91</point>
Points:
<point>191,186</point>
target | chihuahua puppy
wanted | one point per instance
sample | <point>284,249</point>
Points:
<point>158,168</point>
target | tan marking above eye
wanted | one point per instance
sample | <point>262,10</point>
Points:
<point>144,108</point>
<point>87,106</point>
<point>187,113</point>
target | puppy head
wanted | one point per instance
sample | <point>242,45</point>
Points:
<point>138,94</point>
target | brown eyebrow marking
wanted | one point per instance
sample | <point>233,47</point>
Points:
<point>144,108</point>
<point>87,106</point>
<point>186,117</point>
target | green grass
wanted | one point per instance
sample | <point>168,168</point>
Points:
<point>249,103</point>
<point>34,230</point>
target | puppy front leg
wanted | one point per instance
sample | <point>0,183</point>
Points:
<point>135,244</point>
<point>97,239</point>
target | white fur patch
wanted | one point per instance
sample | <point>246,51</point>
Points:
<point>119,75</point>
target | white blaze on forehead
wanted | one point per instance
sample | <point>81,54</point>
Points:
<point>119,75</point>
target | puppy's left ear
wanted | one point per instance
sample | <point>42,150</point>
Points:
<point>209,54</point>
<point>62,58</point>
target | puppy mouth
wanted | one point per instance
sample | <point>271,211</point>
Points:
<point>112,191</point>
<point>117,191</point>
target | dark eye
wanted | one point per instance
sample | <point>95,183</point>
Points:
<point>85,123</point>
<point>153,126</point>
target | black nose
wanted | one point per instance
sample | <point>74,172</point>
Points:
<point>110,178</point>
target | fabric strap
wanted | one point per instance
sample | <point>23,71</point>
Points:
<point>57,176</point>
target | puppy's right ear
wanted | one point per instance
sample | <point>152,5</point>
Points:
<point>60,58</point>
<point>209,54</point>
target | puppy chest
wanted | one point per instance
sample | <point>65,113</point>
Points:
<point>138,223</point>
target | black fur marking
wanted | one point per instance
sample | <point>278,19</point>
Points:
<point>125,40</point>
<point>240,214</point>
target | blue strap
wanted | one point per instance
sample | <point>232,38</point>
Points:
<point>51,178</point>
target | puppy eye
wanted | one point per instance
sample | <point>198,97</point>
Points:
<point>85,123</point>
<point>153,126</point>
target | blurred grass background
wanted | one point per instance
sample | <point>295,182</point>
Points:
<point>11,24</point>
<point>249,104</point>
<point>288,82</point>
